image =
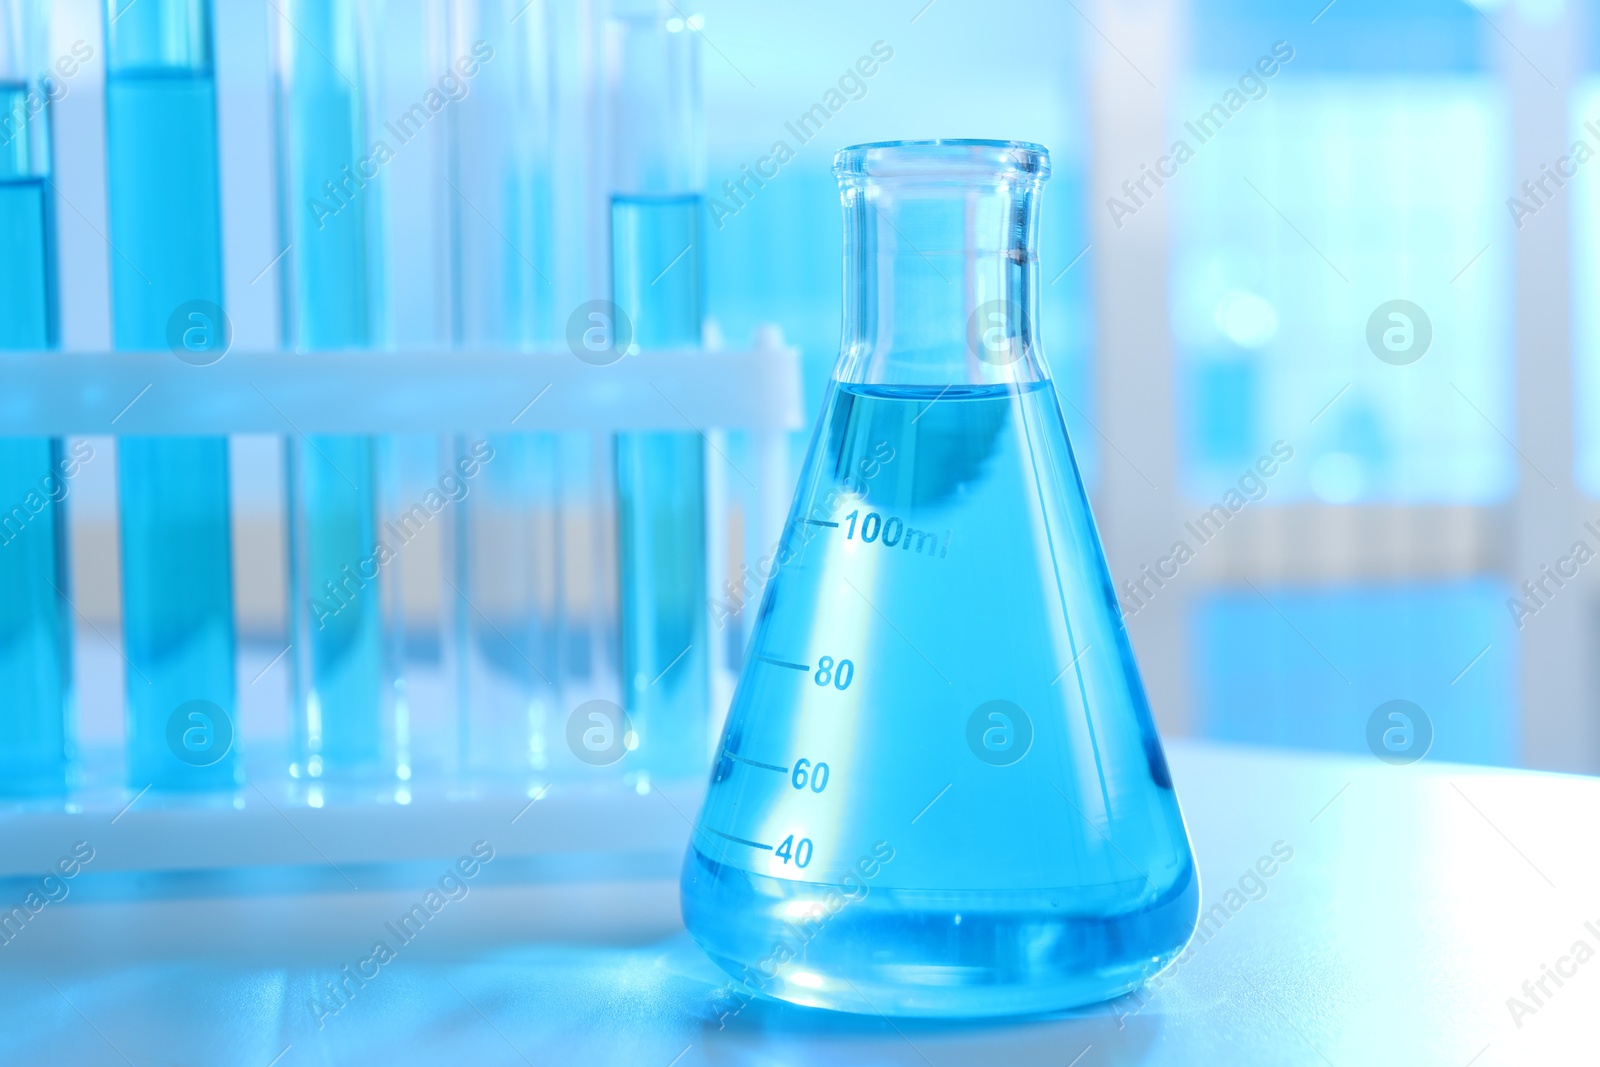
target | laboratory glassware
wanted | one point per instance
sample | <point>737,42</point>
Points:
<point>35,621</point>
<point>164,214</point>
<point>657,212</point>
<point>939,790</point>
<point>350,707</point>
<point>507,539</point>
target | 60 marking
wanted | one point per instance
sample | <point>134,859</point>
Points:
<point>803,773</point>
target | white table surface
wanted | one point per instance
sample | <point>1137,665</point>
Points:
<point>1419,899</point>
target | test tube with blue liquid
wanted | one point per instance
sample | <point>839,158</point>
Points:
<point>165,233</point>
<point>35,619</point>
<point>657,268</point>
<point>349,701</point>
<point>507,559</point>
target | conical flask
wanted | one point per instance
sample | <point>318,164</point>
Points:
<point>939,790</point>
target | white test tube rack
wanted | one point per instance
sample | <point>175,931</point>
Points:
<point>63,394</point>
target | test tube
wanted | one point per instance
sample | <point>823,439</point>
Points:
<point>164,212</point>
<point>35,620</point>
<point>506,558</point>
<point>653,71</point>
<point>350,712</point>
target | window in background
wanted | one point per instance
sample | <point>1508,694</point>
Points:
<point>1339,185</point>
<point>1368,168</point>
<point>1585,193</point>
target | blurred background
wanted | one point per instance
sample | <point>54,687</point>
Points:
<point>1232,309</point>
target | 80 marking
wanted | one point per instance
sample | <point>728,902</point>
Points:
<point>841,674</point>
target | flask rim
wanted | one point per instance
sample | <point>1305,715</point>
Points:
<point>943,159</point>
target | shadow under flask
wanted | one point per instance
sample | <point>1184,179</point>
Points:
<point>939,791</point>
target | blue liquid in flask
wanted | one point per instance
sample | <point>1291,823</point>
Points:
<point>939,791</point>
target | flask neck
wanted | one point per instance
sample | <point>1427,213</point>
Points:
<point>941,282</point>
